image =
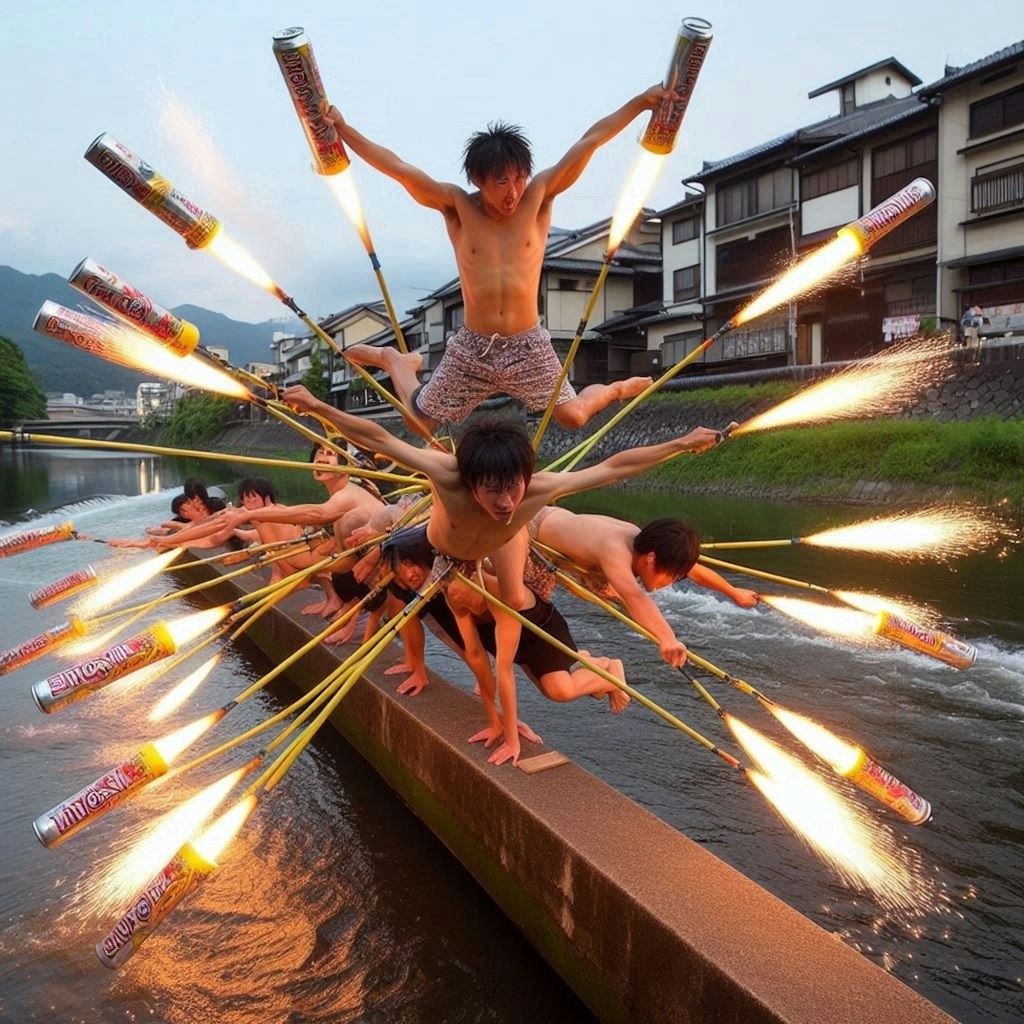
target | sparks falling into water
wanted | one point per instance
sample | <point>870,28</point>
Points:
<point>118,877</point>
<point>637,188</point>
<point>174,698</point>
<point>860,850</point>
<point>874,387</point>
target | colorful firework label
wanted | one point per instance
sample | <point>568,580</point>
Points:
<point>939,645</point>
<point>106,793</point>
<point>145,186</point>
<point>886,788</point>
<point>298,66</point>
<point>39,645</point>
<point>889,215</point>
<point>82,679</point>
<point>182,875</point>
<point>691,48</point>
<point>64,587</point>
<point>134,307</point>
<point>15,543</point>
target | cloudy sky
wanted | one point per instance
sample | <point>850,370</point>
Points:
<point>193,88</point>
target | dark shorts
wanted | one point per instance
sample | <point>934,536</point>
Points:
<point>347,587</point>
<point>535,653</point>
<point>436,608</point>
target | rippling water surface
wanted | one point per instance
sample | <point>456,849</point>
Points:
<point>335,904</point>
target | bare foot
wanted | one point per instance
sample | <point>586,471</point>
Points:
<point>632,387</point>
<point>384,358</point>
<point>330,609</point>
<point>397,670</point>
<point>343,635</point>
<point>618,701</point>
<point>315,609</point>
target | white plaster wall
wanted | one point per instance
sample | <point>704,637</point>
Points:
<point>830,211</point>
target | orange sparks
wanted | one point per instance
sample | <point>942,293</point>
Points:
<point>808,272</point>
<point>188,627</point>
<point>118,586</point>
<point>128,869</point>
<point>874,387</point>
<point>842,756</point>
<point>634,194</point>
<point>171,745</point>
<point>173,699</point>
<point>940,531</point>
<point>875,603</point>
<point>214,840</point>
<point>843,834</point>
<point>845,622</point>
<point>343,187</point>
<point>238,259</point>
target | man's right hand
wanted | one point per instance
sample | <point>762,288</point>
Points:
<point>674,652</point>
<point>300,398</point>
<point>699,440</point>
<point>333,114</point>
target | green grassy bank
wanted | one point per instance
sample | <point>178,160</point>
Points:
<point>984,457</point>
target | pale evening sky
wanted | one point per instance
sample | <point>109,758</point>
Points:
<point>416,77</point>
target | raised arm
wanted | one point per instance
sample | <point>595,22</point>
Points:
<point>425,190</point>
<point>212,530</point>
<point>631,462</point>
<point>366,433</point>
<point>558,178</point>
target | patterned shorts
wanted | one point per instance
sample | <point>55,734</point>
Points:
<point>476,367</point>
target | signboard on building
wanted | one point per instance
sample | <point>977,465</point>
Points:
<point>896,327</point>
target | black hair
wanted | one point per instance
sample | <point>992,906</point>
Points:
<point>195,488</point>
<point>500,148</point>
<point>408,549</point>
<point>335,439</point>
<point>258,485</point>
<point>676,545</point>
<point>177,501</point>
<point>495,452</point>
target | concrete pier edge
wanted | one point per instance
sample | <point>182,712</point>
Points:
<point>641,922</point>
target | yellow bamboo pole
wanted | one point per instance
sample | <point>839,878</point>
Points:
<point>152,449</point>
<point>571,354</point>
<point>735,545</point>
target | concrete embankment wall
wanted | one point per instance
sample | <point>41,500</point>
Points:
<point>643,924</point>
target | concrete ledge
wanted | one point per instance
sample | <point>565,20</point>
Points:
<point>644,924</point>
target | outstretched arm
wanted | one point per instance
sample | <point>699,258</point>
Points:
<point>622,465</point>
<point>706,577</point>
<point>642,609</point>
<point>425,190</point>
<point>365,433</point>
<point>558,178</point>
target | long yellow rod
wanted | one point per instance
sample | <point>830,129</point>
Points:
<point>188,453</point>
<point>733,545</point>
<point>571,354</point>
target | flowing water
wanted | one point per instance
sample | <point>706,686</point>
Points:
<point>335,903</point>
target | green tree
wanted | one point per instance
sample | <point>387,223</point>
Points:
<point>21,397</point>
<point>198,417</point>
<point>315,378</point>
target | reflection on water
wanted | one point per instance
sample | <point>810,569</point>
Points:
<point>336,904</point>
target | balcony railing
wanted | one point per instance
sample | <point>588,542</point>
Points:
<point>999,189</point>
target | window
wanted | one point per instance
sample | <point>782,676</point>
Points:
<point>772,190</point>
<point>997,190</point>
<point>675,347</point>
<point>997,112</point>
<point>903,155</point>
<point>685,229</point>
<point>894,166</point>
<point>911,295</point>
<point>686,283</point>
<point>829,179</point>
<point>569,284</point>
<point>849,99</point>
<point>454,317</point>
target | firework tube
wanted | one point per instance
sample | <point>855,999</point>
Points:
<point>145,186</point>
<point>889,215</point>
<point>73,583</point>
<point>934,642</point>
<point>107,792</point>
<point>294,55</point>
<point>40,645</point>
<point>80,680</point>
<point>15,543</point>
<point>133,307</point>
<point>870,776</point>
<point>185,872</point>
<point>691,48</point>
<point>88,333</point>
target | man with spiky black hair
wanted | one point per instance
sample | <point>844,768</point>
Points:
<point>499,233</point>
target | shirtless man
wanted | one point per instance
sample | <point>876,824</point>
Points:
<point>499,234</point>
<point>664,551</point>
<point>483,498</point>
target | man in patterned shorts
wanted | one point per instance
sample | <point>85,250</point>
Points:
<point>499,234</point>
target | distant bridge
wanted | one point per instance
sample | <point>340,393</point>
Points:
<point>96,427</point>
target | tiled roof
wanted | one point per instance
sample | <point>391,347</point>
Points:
<point>954,76</point>
<point>889,62</point>
<point>912,108</point>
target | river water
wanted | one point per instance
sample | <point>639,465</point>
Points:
<point>336,903</point>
